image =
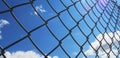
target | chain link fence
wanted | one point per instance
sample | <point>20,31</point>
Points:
<point>90,20</point>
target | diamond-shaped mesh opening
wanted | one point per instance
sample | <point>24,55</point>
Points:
<point>41,40</point>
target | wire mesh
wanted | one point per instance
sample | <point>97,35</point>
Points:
<point>96,15</point>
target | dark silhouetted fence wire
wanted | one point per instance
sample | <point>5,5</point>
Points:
<point>99,10</point>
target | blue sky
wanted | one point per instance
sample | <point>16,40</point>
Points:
<point>44,39</point>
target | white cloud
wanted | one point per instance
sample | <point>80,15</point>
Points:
<point>39,9</point>
<point>106,40</point>
<point>55,57</point>
<point>2,24</point>
<point>35,13</point>
<point>27,54</point>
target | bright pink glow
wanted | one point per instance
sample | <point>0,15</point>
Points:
<point>103,2</point>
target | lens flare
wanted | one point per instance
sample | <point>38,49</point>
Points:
<point>103,2</point>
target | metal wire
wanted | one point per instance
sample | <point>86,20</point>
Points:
<point>105,10</point>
